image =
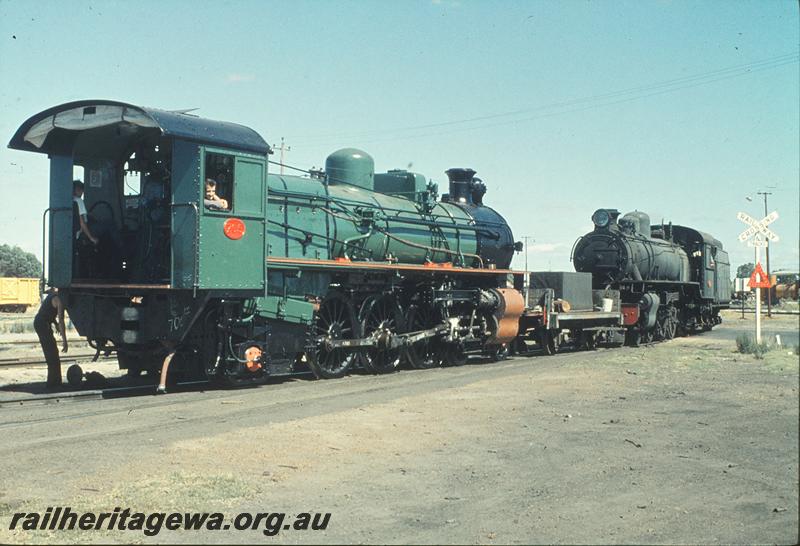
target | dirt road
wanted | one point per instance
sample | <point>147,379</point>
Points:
<point>682,442</point>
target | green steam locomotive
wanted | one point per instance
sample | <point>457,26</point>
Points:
<point>239,274</point>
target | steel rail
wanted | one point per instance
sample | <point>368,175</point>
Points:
<point>38,361</point>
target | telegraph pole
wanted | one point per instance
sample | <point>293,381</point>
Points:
<point>769,290</point>
<point>525,238</point>
<point>527,275</point>
<point>283,148</point>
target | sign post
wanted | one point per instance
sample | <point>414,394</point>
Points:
<point>758,279</point>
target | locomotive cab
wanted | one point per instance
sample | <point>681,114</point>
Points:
<point>144,173</point>
<point>709,263</point>
<point>158,250</point>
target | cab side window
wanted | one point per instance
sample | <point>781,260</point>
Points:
<point>711,253</point>
<point>218,184</point>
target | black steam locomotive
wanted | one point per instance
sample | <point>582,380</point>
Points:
<point>672,279</point>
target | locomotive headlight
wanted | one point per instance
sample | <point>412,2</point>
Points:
<point>601,218</point>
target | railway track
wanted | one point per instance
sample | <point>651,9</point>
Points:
<point>36,341</point>
<point>126,391</point>
<point>751,311</point>
<point>38,361</point>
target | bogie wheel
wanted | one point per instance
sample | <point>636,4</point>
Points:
<point>548,340</point>
<point>336,319</point>
<point>659,330</point>
<point>455,355</point>
<point>705,322</point>
<point>498,353</point>
<point>633,337</point>
<point>381,317</point>
<point>426,353</point>
<point>518,346</point>
<point>585,340</point>
<point>590,341</point>
<point>671,324</point>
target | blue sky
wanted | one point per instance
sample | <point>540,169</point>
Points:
<point>680,109</point>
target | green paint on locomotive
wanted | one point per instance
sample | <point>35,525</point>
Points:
<point>180,253</point>
<point>225,262</point>
<point>350,166</point>
<point>309,218</point>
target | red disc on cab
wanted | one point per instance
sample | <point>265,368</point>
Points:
<point>233,228</point>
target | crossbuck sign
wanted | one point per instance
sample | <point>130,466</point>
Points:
<point>758,227</point>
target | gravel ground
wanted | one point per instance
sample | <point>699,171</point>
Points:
<point>680,442</point>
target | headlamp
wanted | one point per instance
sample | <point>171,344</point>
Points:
<point>601,218</point>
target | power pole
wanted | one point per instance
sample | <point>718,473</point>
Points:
<point>283,148</point>
<point>769,290</point>
<point>526,238</point>
<point>527,283</point>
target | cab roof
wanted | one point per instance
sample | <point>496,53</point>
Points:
<point>694,235</point>
<point>56,129</point>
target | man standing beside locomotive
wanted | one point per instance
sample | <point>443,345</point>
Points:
<point>51,312</point>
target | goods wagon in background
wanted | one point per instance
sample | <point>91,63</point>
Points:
<point>17,294</point>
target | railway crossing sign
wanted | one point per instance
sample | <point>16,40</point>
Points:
<point>758,226</point>
<point>759,279</point>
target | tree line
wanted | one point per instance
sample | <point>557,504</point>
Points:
<point>15,262</point>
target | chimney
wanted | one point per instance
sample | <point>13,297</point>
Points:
<point>460,185</point>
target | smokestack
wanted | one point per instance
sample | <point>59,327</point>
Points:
<point>460,185</point>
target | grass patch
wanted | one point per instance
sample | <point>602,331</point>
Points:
<point>16,327</point>
<point>182,491</point>
<point>173,492</point>
<point>746,344</point>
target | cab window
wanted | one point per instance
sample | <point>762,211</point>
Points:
<point>218,183</point>
<point>710,253</point>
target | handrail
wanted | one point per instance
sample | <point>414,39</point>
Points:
<point>352,203</point>
<point>43,279</point>
<point>196,265</point>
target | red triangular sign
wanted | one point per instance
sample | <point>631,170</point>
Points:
<point>759,279</point>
